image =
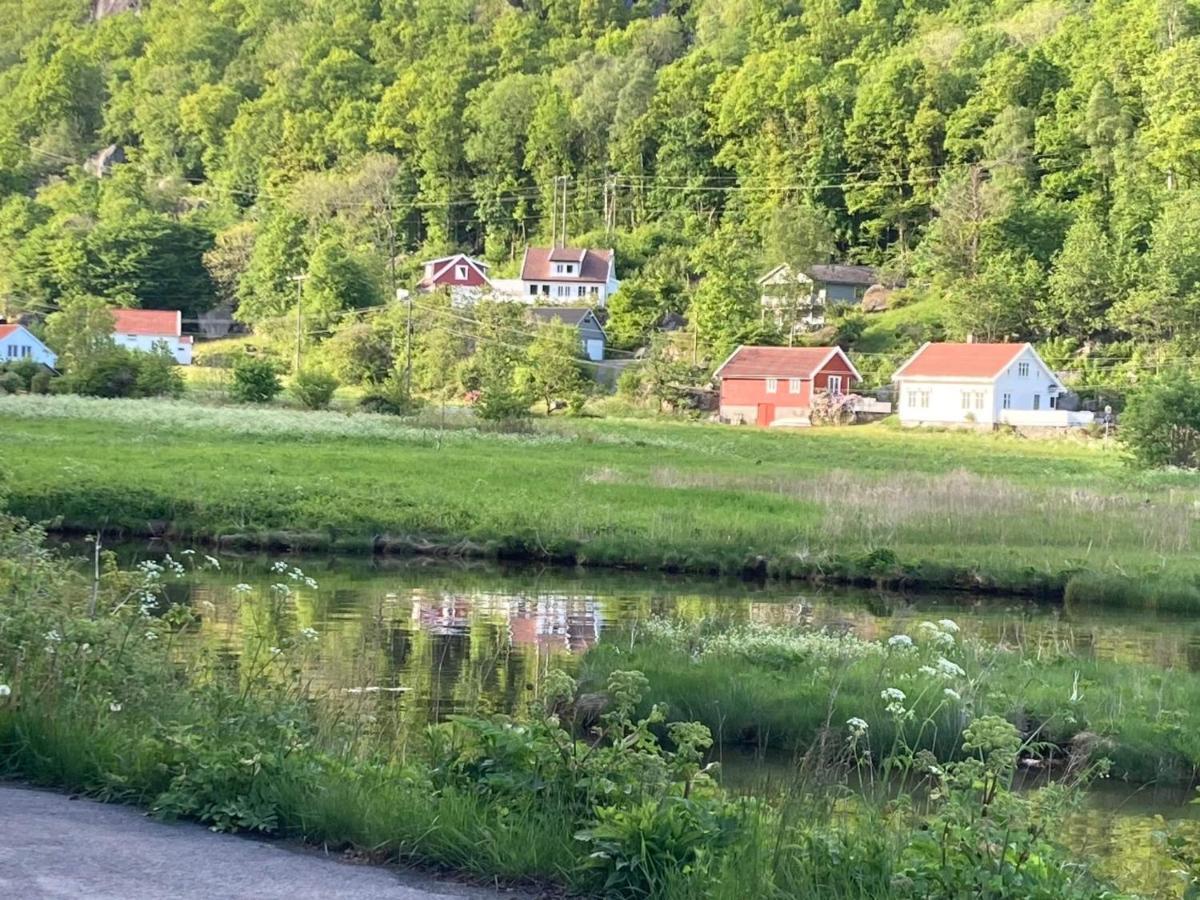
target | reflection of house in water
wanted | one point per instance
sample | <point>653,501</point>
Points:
<point>548,622</point>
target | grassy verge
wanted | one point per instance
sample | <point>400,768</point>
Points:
<point>104,693</point>
<point>864,505</point>
<point>772,687</point>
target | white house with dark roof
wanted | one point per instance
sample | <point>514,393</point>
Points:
<point>981,384</point>
<point>799,298</point>
<point>591,332</point>
<point>568,275</point>
<point>17,343</point>
<point>148,330</point>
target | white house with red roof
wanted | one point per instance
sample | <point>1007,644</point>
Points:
<point>981,384</point>
<point>563,275</point>
<point>463,276</point>
<point>17,343</point>
<point>150,329</point>
<point>777,385</point>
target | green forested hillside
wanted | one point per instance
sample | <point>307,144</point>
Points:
<point>1031,168</point>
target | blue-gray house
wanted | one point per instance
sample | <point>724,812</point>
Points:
<point>591,332</point>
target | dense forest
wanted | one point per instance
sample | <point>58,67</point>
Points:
<point>1031,169</point>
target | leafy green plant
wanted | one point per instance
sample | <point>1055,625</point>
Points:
<point>1161,424</point>
<point>313,388</point>
<point>255,380</point>
<point>11,382</point>
<point>390,398</point>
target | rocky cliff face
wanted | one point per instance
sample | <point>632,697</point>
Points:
<point>104,8</point>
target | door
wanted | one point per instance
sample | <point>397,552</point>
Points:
<point>766,414</point>
<point>595,350</point>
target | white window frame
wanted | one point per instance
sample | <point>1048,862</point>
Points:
<point>1022,370</point>
<point>833,384</point>
<point>964,399</point>
<point>460,273</point>
<point>1006,401</point>
<point>581,291</point>
<point>1037,401</point>
<point>772,385</point>
<point>12,351</point>
<point>979,399</point>
<point>794,385</point>
<point>558,268</point>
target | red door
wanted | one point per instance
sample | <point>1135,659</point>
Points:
<point>766,414</point>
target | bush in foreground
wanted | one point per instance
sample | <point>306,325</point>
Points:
<point>113,371</point>
<point>255,380</point>
<point>313,389</point>
<point>1161,424</point>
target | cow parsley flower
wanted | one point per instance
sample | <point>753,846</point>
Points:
<point>858,727</point>
<point>213,561</point>
<point>892,695</point>
<point>5,690</point>
<point>902,641</point>
<point>949,669</point>
<point>309,634</point>
<point>114,707</point>
<point>948,625</point>
<point>952,694</point>
<point>279,567</point>
<point>242,588</point>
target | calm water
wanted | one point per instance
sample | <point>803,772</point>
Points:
<point>430,640</point>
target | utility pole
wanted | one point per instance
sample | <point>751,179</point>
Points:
<point>299,279</point>
<point>565,179</point>
<point>554,216</point>
<point>408,339</point>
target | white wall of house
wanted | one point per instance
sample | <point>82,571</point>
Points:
<point>146,343</point>
<point>1026,385</point>
<point>568,292</point>
<point>21,344</point>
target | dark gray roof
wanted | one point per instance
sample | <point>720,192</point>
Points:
<point>838,274</point>
<point>568,315</point>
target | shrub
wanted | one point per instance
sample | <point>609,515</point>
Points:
<point>1161,424</point>
<point>157,376</point>
<point>11,382</point>
<point>313,389</point>
<point>255,380</point>
<point>391,398</point>
<point>109,372</point>
<point>25,369</point>
<point>40,383</point>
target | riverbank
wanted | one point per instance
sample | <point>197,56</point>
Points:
<point>107,692</point>
<point>868,505</point>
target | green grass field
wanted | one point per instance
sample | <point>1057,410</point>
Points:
<point>867,504</point>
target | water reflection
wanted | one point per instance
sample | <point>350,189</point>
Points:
<point>435,640</point>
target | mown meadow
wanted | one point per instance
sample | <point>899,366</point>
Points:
<point>867,504</point>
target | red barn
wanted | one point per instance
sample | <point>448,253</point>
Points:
<point>768,385</point>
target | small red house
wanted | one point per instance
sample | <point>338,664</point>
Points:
<point>774,385</point>
<point>455,272</point>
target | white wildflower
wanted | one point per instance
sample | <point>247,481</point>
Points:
<point>275,651</point>
<point>52,636</point>
<point>952,694</point>
<point>242,588</point>
<point>213,561</point>
<point>151,636</point>
<point>892,695</point>
<point>114,707</point>
<point>187,552</point>
<point>948,625</point>
<point>942,640</point>
<point>309,634</point>
<point>311,582</point>
<point>949,669</point>
<point>280,566</point>
<point>928,670</point>
<point>858,727</point>
<point>903,641</point>
<point>5,690</point>
<point>281,588</point>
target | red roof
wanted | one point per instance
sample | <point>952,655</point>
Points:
<point>780,362</point>
<point>147,321</point>
<point>593,264</point>
<point>960,361</point>
<point>6,330</point>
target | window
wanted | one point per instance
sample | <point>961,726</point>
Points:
<point>533,290</point>
<point>1023,369</point>
<point>12,351</point>
<point>594,289</point>
<point>772,385</point>
<point>546,289</point>
<point>26,350</point>
<point>979,399</point>
<point>1037,401</point>
<point>580,291</point>
<point>918,399</point>
<point>834,384</point>
<point>793,385</point>
<point>1053,402</point>
<point>1006,401</point>
<point>965,399</point>
<point>558,268</point>
<point>570,270</point>
<point>562,291</point>
<point>460,273</point>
